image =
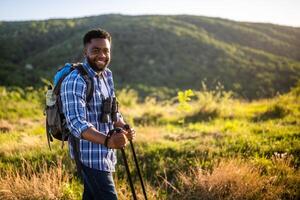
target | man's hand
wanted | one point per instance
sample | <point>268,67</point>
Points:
<point>117,140</point>
<point>130,134</point>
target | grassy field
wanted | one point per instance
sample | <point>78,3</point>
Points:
<point>199,145</point>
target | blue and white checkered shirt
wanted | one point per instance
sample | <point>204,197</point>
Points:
<point>79,118</point>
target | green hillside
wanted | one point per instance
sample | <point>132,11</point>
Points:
<point>173,52</point>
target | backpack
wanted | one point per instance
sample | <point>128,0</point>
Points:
<point>56,126</point>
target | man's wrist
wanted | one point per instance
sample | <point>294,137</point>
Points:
<point>106,141</point>
<point>107,138</point>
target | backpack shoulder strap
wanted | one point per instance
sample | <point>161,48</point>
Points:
<point>87,79</point>
<point>56,89</point>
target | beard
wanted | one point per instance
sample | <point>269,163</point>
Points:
<point>96,65</point>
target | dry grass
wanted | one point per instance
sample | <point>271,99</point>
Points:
<point>26,143</point>
<point>229,180</point>
<point>124,191</point>
<point>149,134</point>
<point>47,183</point>
<point>5,126</point>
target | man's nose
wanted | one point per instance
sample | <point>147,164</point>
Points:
<point>102,54</point>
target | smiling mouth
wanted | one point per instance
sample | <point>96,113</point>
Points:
<point>101,62</point>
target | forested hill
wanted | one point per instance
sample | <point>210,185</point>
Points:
<point>175,52</point>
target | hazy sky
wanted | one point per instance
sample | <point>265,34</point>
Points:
<point>284,12</point>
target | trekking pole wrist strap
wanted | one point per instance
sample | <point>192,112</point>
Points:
<point>106,141</point>
<point>108,136</point>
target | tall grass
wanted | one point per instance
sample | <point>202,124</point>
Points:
<point>230,179</point>
<point>46,183</point>
<point>225,149</point>
<point>17,103</point>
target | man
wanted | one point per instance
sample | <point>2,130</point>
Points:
<point>97,150</point>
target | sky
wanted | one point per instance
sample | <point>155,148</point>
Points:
<point>283,12</point>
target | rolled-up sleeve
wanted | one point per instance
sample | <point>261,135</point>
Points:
<point>73,95</point>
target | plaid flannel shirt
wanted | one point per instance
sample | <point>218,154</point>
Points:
<point>79,117</point>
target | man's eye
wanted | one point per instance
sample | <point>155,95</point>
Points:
<point>95,51</point>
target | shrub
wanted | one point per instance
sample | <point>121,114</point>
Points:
<point>127,97</point>
<point>275,111</point>
<point>210,104</point>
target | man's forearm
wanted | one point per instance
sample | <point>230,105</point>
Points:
<point>91,134</point>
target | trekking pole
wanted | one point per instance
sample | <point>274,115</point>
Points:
<point>128,174</point>
<point>127,127</point>
<point>127,170</point>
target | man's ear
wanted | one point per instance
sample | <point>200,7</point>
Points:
<point>84,51</point>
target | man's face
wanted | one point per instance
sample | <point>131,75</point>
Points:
<point>97,53</point>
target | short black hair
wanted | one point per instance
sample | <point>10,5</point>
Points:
<point>96,33</point>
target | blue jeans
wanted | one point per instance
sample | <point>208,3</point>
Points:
<point>98,185</point>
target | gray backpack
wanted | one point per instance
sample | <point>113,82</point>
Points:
<point>55,120</point>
